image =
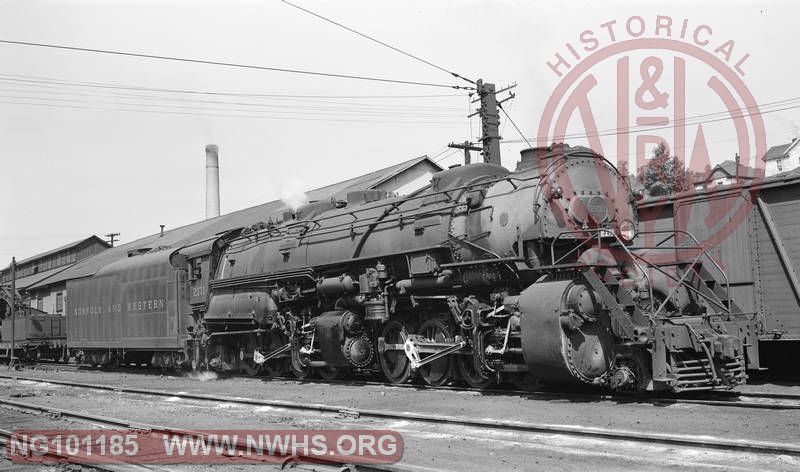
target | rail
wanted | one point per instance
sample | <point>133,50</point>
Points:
<point>614,434</point>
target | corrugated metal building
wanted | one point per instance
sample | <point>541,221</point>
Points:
<point>41,267</point>
<point>400,178</point>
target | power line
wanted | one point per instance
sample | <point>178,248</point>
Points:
<point>253,106</point>
<point>452,153</point>
<point>684,122</point>
<point>441,151</point>
<point>380,42</point>
<point>514,124</point>
<point>170,112</point>
<point>282,103</point>
<point>227,64</point>
<point>51,81</point>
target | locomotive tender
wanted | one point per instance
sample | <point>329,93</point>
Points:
<point>484,274</point>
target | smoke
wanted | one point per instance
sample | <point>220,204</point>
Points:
<point>293,194</point>
<point>202,376</point>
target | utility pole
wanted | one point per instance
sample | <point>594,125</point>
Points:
<point>490,123</point>
<point>111,237</point>
<point>489,112</point>
<point>13,307</point>
<point>467,147</point>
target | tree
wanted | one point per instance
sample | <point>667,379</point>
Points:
<point>664,174</point>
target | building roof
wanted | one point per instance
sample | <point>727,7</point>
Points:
<point>779,151</point>
<point>60,249</point>
<point>729,169</point>
<point>208,228</point>
<point>365,181</point>
<point>23,283</point>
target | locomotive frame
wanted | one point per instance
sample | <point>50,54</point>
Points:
<point>430,309</point>
<point>483,276</point>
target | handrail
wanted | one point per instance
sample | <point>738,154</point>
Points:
<point>680,283</point>
<point>705,251</point>
<point>671,235</point>
<point>598,238</point>
<point>644,273</point>
<point>470,185</point>
<point>420,195</point>
<point>694,290</point>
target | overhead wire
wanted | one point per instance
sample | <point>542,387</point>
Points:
<point>688,121</point>
<point>500,106</point>
<point>226,64</point>
<point>62,85</point>
<point>256,106</point>
<point>441,151</point>
<point>380,42</point>
<point>691,144</point>
<point>450,154</point>
<point>18,101</point>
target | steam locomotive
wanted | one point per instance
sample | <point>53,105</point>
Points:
<point>484,275</point>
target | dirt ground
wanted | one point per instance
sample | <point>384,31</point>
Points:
<point>430,446</point>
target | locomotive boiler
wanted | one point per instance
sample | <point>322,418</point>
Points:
<point>484,275</point>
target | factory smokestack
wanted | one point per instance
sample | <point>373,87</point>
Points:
<point>212,181</point>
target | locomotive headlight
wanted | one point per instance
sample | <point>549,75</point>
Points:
<point>627,231</point>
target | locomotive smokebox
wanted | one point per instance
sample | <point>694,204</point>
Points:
<point>212,181</point>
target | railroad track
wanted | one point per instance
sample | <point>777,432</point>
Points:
<point>790,401</point>
<point>19,417</point>
<point>751,400</point>
<point>58,418</point>
<point>683,440</point>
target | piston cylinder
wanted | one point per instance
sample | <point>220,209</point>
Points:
<point>557,348</point>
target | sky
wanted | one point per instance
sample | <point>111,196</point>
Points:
<point>96,143</point>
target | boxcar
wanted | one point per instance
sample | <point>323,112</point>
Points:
<point>760,255</point>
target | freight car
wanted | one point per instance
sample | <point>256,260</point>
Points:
<point>484,274</point>
<point>761,255</point>
<point>36,334</point>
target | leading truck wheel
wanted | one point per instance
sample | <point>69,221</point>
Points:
<point>472,376</point>
<point>330,373</point>
<point>394,363</point>
<point>440,371</point>
<point>525,381</point>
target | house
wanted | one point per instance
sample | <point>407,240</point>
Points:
<point>726,173</point>
<point>782,158</point>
